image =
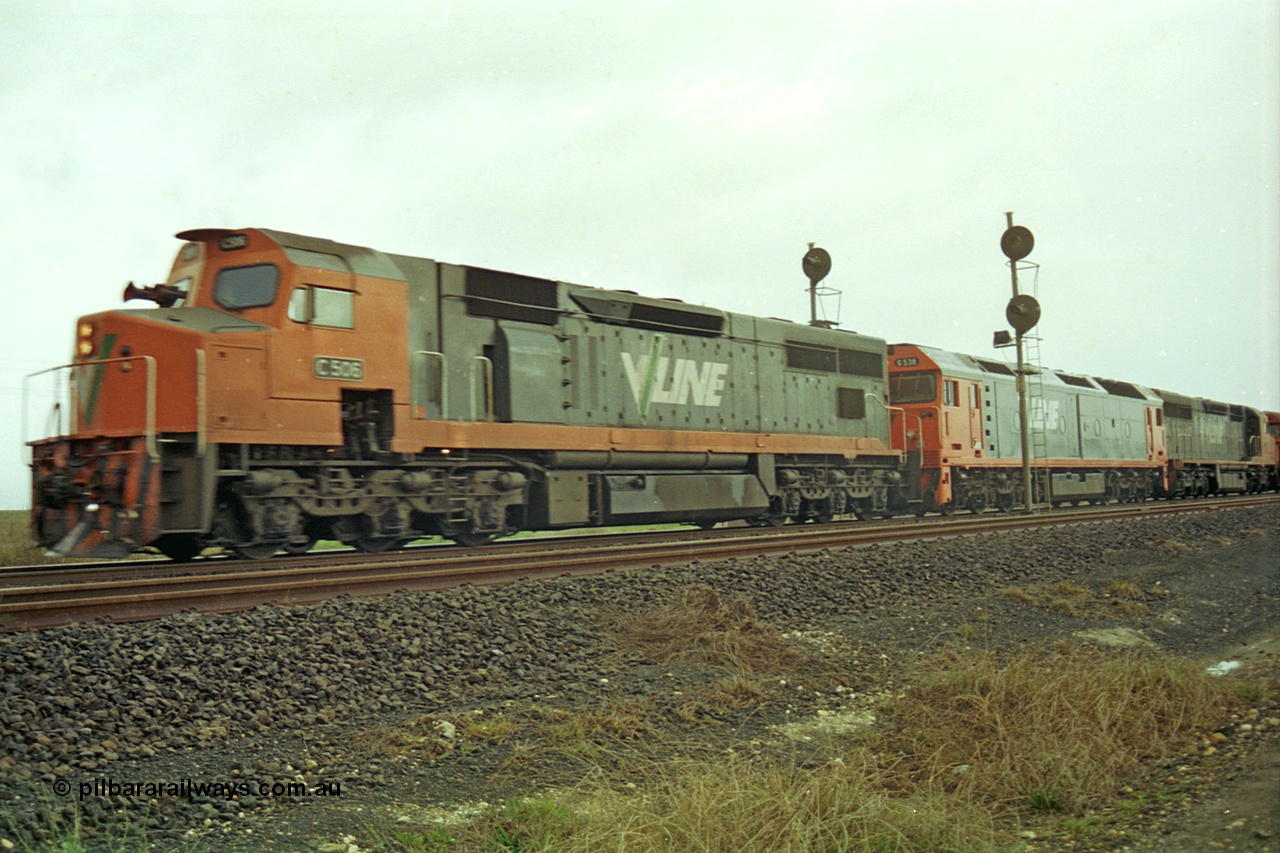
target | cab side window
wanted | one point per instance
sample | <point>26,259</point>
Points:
<point>323,306</point>
<point>950,392</point>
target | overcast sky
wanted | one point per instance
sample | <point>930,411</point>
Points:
<point>688,149</point>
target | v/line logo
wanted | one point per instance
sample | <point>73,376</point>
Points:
<point>662,379</point>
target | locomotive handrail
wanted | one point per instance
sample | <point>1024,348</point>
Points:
<point>53,421</point>
<point>905,414</point>
<point>444,382</point>
<point>487,366</point>
<point>149,430</point>
<point>888,410</point>
<point>202,406</point>
<point>53,424</point>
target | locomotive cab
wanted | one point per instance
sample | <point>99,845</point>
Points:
<point>940,416</point>
<point>250,335</point>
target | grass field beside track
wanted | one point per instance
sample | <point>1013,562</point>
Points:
<point>16,545</point>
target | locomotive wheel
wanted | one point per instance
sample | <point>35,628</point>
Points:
<point>179,547</point>
<point>378,544</point>
<point>948,509</point>
<point>228,527</point>
<point>465,536</point>
<point>297,549</point>
<point>470,539</point>
<point>260,551</point>
<point>706,525</point>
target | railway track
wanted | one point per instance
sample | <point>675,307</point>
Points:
<point>34,598</point>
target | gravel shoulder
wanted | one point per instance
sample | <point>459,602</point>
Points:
<point>385,710</point>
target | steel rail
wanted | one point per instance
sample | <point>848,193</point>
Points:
<point>240,587</point>
<point>158,566</point>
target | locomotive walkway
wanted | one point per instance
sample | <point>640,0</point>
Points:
<point>33,598</point>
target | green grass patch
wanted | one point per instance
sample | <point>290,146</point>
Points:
<point>17,547</point>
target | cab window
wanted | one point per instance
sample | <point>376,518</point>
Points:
<point>237,288</point>
<point>950,392</point>
<point>323,306</point>
<point>916,387</point>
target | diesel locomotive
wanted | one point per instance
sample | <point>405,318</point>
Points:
<point>285,389</point>
<point>1093,440</point>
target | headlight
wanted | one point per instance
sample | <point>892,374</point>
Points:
<point>84,342</point>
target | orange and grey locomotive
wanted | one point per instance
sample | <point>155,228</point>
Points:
<point>285,389</point>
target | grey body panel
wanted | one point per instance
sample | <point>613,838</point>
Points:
<point>579,369</point>
<point>1075,421</point>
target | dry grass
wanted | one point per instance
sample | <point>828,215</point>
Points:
<point>1076,601</point>
<point>1124,589</point>
<point>613,720</point>
<point>737,692</point>
<point>619,733</point>
<point>1062,597</point>
<point>421,736</point>
<point>976,739</point>
<point>1120,608</point>
<point>697,629</point>
<point>1054,727</point>
<point>1172,546</point>
<point>736,805</point>
<point>732,805</point>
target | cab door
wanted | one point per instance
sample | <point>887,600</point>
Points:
<point>975,419</point>
<point>956,421</point>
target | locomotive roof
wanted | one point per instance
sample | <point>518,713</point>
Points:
<point>971,367</point>
<point>359,259</point>
<point>618,306</point>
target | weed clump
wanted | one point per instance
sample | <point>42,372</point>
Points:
<point>1052,728</point>
<point>698,629</point>
<point>1068,599</point>
<point>424,736</point>
<point>1172,546</point>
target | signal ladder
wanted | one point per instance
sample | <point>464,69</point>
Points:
<point>1038,429</point>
